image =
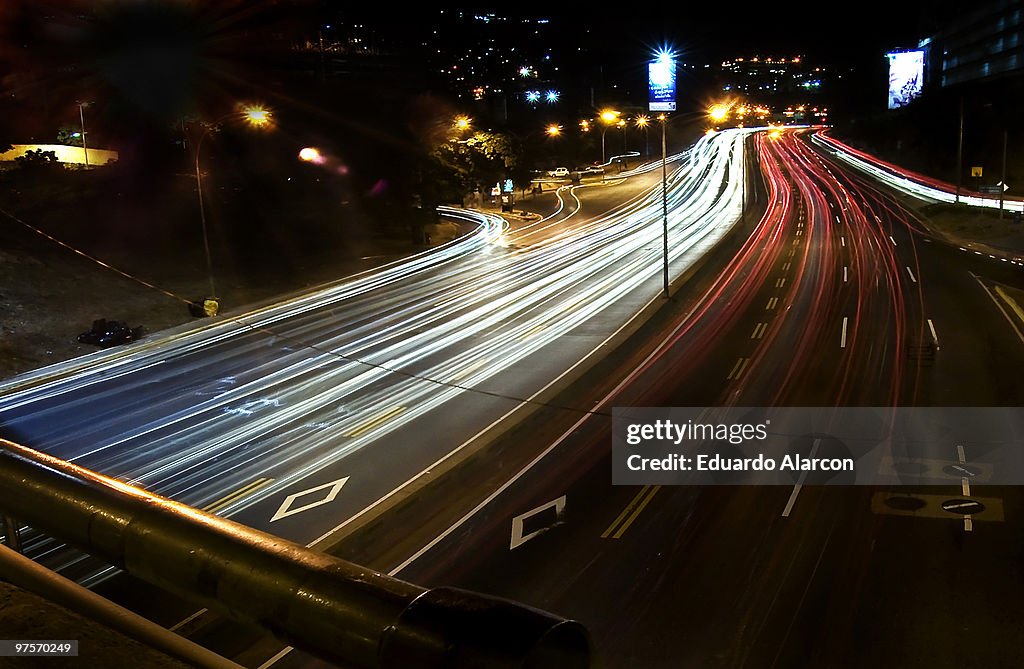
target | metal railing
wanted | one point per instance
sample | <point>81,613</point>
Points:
<point>344,613</point>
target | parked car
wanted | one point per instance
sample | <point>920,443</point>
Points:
<point>105,334</point>
<point>559,172</point>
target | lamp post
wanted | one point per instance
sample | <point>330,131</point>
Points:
<point>81,117</point>
<point>608,117</point>
<point>664,202</point>
<point>643,121</point>
<point>255,117</point>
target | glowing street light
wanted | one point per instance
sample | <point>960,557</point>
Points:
<point>553,130</point>
<point>257,117</point>
<point>608,117</point>
<point>551,97</point>
<point>642,121</point>
<point>533,97</point>
<point>254,116</point>
<point>310,155</point>
<point>462,123</point>
<point>718,113</point>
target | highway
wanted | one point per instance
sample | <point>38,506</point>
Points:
<point>839,296</point>
<point>299,416</point>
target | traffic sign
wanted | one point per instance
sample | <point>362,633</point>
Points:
<point>976,172</point>
<point>990,190</point>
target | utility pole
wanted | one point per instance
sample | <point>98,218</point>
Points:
<point>85,147</point>
<point>960,153</point>
<point>664,204</point>
<point>1002,184</point>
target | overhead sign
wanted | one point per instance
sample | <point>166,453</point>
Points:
<point>661,79</point>
<point>906,77</point>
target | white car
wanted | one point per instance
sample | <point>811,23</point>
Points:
<point>559,172</point>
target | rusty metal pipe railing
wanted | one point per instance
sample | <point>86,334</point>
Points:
<point>337,610</point>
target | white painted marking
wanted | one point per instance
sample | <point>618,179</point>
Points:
<point>965,487</point>
<point>333,488</point>
<point>799,232</point>
<point>935,337</point>
<point>842,240</point>
<point>911,273</point>
<point>1006,315</point>
<point>799,483</point>
<point>842,343</point>
<point>960,454</point>
<point>892,240</point>
<point>272,661</point>
<point>846,277</point>
<point>968,524</point>
<point>517,523</point>
<point>186,621</point>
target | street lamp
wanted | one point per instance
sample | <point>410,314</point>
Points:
<point>81,117</point>
<point>255,117</point>
<point>553,130</point>
<point>608,117</point>
<point>642,121</point>
<point>664,204</point>
<point>718,112</point>
<point>462,123</point>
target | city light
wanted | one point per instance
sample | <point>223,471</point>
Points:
<point>718,112</point>
<point>310,155</point>
<point>256,116</point>
<point>642,121</point>
<point>551,96</point>
<point>525,71</point>
<point>532,96</point>
<point>553,130</point>
<point>610,115</point>
<point>462,122</point>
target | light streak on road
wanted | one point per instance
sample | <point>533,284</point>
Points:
<point>911,183</point>
<point>323,375</point>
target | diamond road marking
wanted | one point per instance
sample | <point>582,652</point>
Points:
<point>518,539</point>
<point>332,488</point>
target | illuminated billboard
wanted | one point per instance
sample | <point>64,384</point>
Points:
<point>661,78</point>
<point>906,77</point>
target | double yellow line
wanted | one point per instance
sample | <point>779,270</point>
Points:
<point>238,494</point>
<point>379,419</point>
<point>630,513</point>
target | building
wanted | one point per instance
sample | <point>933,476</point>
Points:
<point>984,43</point>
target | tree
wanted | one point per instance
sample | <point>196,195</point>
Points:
<point>69,136</point>
<point>39,161</point>
<point>483,159</point>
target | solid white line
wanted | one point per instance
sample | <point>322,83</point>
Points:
<point>911,273</point>
<point>935,337</point>
<point>800,483</point>
<point>187,620</point>
<point>273,660</point>
<point>1000,306</point>
<point>792,500</point>
<point>842,343</point>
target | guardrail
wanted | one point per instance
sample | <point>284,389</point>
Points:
<point>337,610</point>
